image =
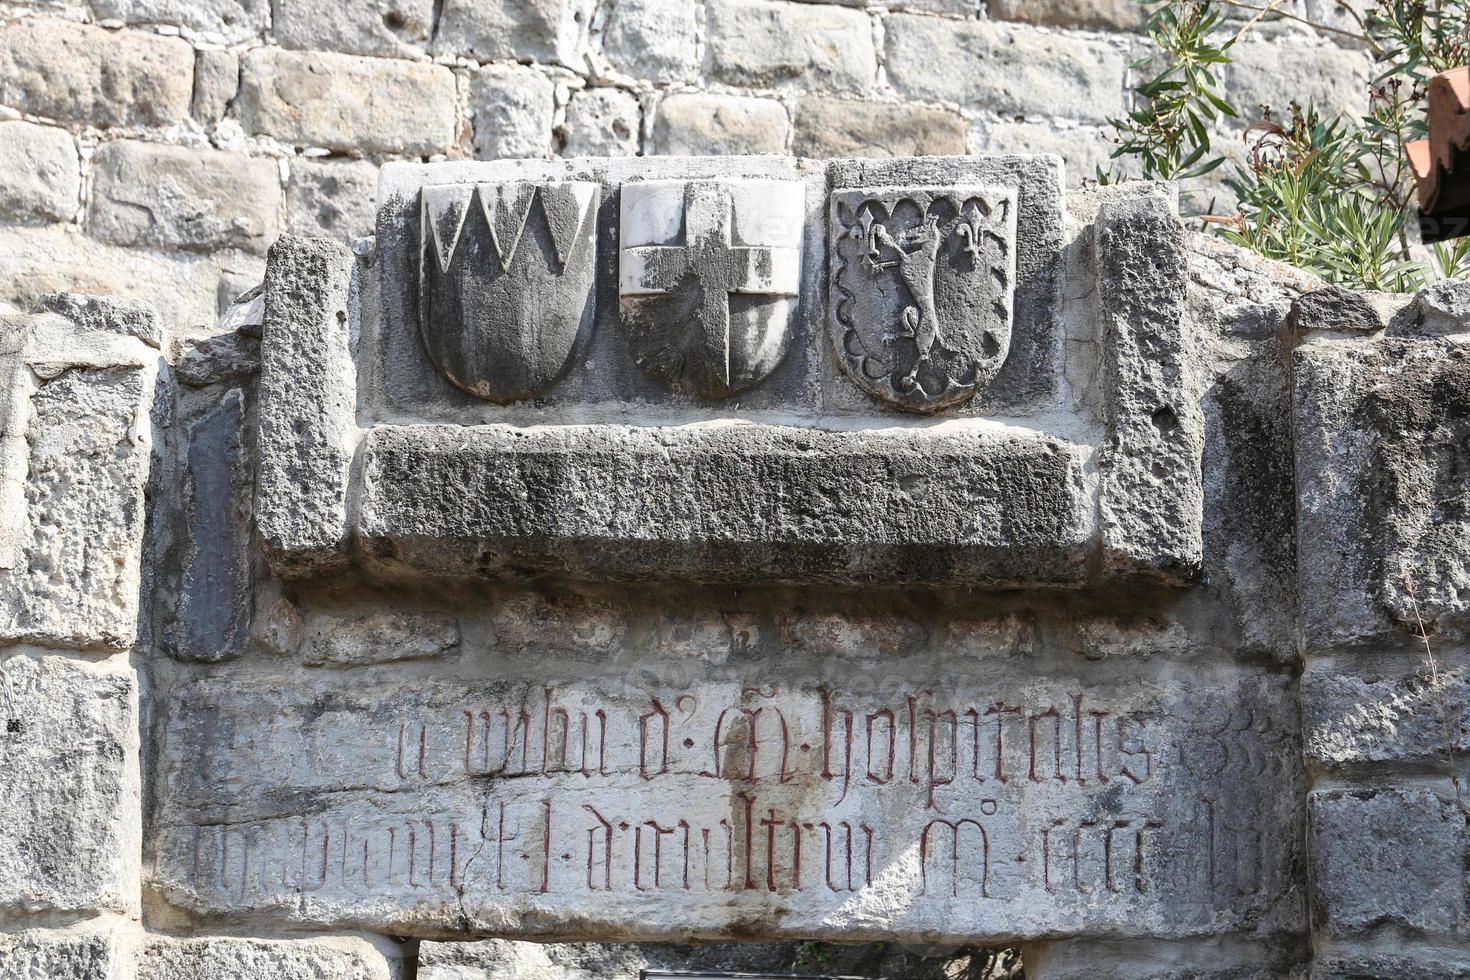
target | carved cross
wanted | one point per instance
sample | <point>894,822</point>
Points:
<point>711,262</point>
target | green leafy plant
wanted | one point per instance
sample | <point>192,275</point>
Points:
<point>1328,195</point>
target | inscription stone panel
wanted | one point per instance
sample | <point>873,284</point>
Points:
<point>867,807</point>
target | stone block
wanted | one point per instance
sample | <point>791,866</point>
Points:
<point>390,29</point>
<point>331,199</point>
<point>1152,511</point>
<point>1332,78</point>
<point>776,44</point>
<point>42,177</point>
<point>348,103</point>
<point>216,83</point>
<point>69,789</point>
<point>307,402</point>
<point>1333,309</point>
<point>851,128</point>
<point>655,40</point>
<point>331,638</point>
<point>950,8</point>
<point>548,31</point>
<point>181,286</point>
<point>228,20</point>
<point>1406,961</point>
<point>1214,958</point>
<point>74,454</point>
<point>651,800</point>
<point>83,75</point>
<point>1388,715</point>
<point>1083,149</point>
<point>72,954</point>
<point>1383,521</point>
<point>1387,856</point>
<point>719,125</point>
<point>537,496</point>
<point>512,107</point>
<point>1096,15</point>
<point>182,197</point>
<point>224,958</point>
<point>1443,307</point>
<point>602,122</point>
<point>1005,69</point>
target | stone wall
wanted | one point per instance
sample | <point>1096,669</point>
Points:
<point>156,147</point>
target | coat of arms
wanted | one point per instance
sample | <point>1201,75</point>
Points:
<point>505,282</point>
<point>709,275</point>
<point>922,281</point>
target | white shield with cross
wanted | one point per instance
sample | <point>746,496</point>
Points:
<point>709,275</point>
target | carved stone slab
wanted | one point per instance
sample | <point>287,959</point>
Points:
<point>709,275</point>
<point>922,285</point>
<point>560,799</point>
<point>506,281</point>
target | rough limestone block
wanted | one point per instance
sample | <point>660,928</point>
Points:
<point>602,122</point>
<point>1390,716</point>
<point>772,43</point>
<point>347,103</point>
<point>221,958</point>
<point>1382,511</point>
<point>216,83</point>
<point>74,451</point>
<point>512,107</point>
<point>1333,309</point>
<point>183,197</point>
<point>1404,962</point>
<point>1004,68</point>
<point>80,74</point>
<point>73,954</point>
<point>378,636</point>
<point>1097,15</point>
<point>1152,506</point>
<point>648,799</point>
<point>851,128</point>
<point>1443,307</point>
<point>719,125</point>
<point>549,31</point>
<point>1387,856</point>
<point>1083,149</point>
<point>69,789</point>
<point>307,400</point>
<point>229,20</point>
<point>42,177</point>
<point>386,29</point>
<point>1332,78</point>
<point>653,39</point>
<point>335,199</point>
<point>1213,958</point>
<point>966,507</point>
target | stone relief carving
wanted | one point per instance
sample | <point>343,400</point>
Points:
<point>922,280</point>
<point>506,278</point>
<point>708,278</point>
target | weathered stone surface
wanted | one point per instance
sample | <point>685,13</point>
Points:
<point>330,638</point>
<point>1224,958</point>
<point>1332,78</point>
<point>105,314</point>
<point>966,506</point>
<point>1443,307</point>
<point>602,122</point>
<point>552,31</point>
<point>652,39</point>
<point>152,194</point>
<point>719,125</point>
<point>42,177</point>
<point>1392,715</point>
<point>80,74</point>
<point>331,199</point>
<point>1387,856</point>
<point>216,83</point>
<point>221,958</point>
<point>850,128</point>
<point>772,43</point>
<point>1430,962</point>
<point>381,28</point>
<point>77,435</point>
<point>1101,15</point>
<point>71,954</point>
<point>307,396</point>
<point>347,103</point>
<point>1333,308</point>
<point>1383,517</point>
<point>229,358</point>
<point>1004,68</point>
<point>512,108</point>
<point>1152,506</point>
<point>69,794</point>
<point>231,20</point>
<point>1123,806</point>
<point>1083,149</point>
